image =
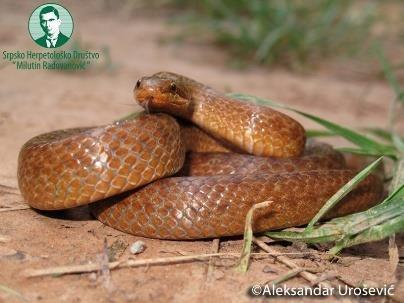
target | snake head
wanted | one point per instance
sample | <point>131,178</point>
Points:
<point>164,92</point>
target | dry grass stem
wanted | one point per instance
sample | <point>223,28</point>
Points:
<point>289,275</point>
<point>13,208</point>
<point>105,270</point>
<point>93,267</point>
<point>324,277</point>
<point>8,188</point>
<point>4,239</point>
<point>214,249</point>
<point>76,269</point>
<point>289,263</point>
<point>394,258</point>
<point>13,293</point>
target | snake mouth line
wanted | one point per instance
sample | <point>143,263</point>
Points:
<point>146,104</point>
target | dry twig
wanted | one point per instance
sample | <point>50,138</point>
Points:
<point>289,263</point>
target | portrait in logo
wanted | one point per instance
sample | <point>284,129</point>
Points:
<point>50,25</point>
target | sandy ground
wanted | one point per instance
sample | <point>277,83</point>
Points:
<point>33,240</point>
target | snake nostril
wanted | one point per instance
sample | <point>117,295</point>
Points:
<point>138,83</point>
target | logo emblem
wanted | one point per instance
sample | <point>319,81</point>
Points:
<point>50,25</point>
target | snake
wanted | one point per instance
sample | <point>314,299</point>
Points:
<point>191,166</point>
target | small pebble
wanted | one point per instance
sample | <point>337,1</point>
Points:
<point>20,255</point>
<point>218,275</point>
<point>137,247</point>
<point>92,277</point>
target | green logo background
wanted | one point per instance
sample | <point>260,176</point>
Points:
<point>34,26</point>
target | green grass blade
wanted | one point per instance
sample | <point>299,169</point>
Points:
<point>248,237</point>
<point>379,133</point>
<point>398,142</point>
<point>398,191</point>
<point>398,178</point>
<point>343,192</point>
<point>365,152</point>
<point>391,207</point>
<point>318,235</point>
<point>391,78</point>
<point>374,233</point>
<point>352,136</point>
<point>312,133</point>
<point>390,212</point>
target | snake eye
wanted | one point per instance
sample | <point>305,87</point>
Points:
<point>173,87</point>
<point>138,83</point>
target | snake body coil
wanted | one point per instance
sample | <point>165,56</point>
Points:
<point>127,166</point>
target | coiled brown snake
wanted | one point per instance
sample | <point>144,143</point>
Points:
<point>128,167</point>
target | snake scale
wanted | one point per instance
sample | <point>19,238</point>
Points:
<point>161,177</point>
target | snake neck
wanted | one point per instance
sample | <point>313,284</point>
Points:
<point>203,100</point>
